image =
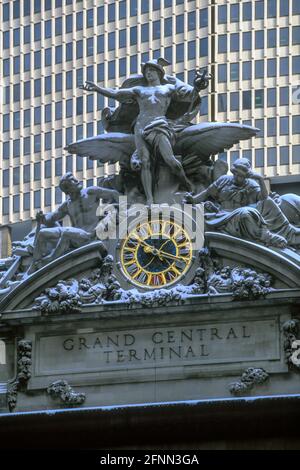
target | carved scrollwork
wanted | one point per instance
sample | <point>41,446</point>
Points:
<point>252,376</point>
<point>62,390</point>
<point>24,352</point>
<point>291,343</point>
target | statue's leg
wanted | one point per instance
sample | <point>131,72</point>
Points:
<point>146,175</point>
<point>167,154</point>
<point>45,236</point>
<point>69,236</point>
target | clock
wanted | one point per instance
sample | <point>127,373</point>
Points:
<point>155,254</point>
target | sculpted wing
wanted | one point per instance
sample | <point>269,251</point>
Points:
<point>209,138</point>
<point>107,148</point>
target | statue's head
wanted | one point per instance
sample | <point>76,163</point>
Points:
<point>240,169</point>
<point>154,69</point>
<point>69,184</point>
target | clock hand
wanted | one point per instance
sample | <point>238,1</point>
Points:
<point>168,255</point>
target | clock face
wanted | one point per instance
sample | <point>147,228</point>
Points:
<point>156,254</point>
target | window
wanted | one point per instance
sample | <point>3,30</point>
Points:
<point>247,41</point>
<point>111,41</point>
<point>37,6</point>
<point>7,95</point>
<point>111,69</point>
<point>234,72</point>
<point>259,158</point>
<point>271,38</point>
<point>48,141</point>
<point>26,173</point>
<point>47,168</point>
<point>16,37</point>
<point>133,64</point>
<point>284,36</point>
<point>48,56</point>
<point>58,166</point>
<point>234,13</point>
<point>222,43</point>
<point>58,138</point>
<point>16,9</point>
<point>111,12</point>
<point>284,7</point>
<point>16,148</point>
<point>47,85</point>
<point>5,150</point>
<point>27,90</point>
<point>69,51</point>
<point>16,175</point>
<point>47,197</point>
<point>259,98</point>
<point>296,35</point>
<point>26,34</point>
<point>16,65</point>
<point>259,39</point>
<point>296,7</point>
<point>6,40</point>
<point>79,77</point>
<point>58,110</point>
<point>37,171</point>
<point>247,11</point>
<point>133,33</point>
<point>58,54</point>
<point>27,146</point>
<point>37,115</point>
<point>191,50</point>
<point>284,96</point>
<point>234,101</point>
<point>296,64</point>
<point>122,38</point>
<point>5,206</point>
<point>283,66</point>
<point>133,7</point>
<point>122,9</point>
<point>48,29</point>
<point>260,124</point>
<point>16,120</point>
<point>296,152</point>
<point>204,47</point>
<point>27,117</point>
<point>247,99</point>
<point>5,178</point>
<point>222,102</point>
<point>284,125</point>
<point>79,105</point>
<point>222,73</point>
<point>179,53</point>
<point>271,97</point>
<point>271,67</point>
<point>37,199</point>
<point>37,31</point>
<point>203,18</point>
<point>284,155</point>
<point>296,124</point>
<point>259,10</point>
<point>122,67</point>
<point>37,143</point>
<point>179,24</point>
<point>100,15</point>
<point>90,46</point>
<point>271,156</point>
<point>79,21</point>
<point>48,112</point>
<point>271,8</point>
<point>16,89</point>
<point>69,23</point>
<point>6,65</point>
<point>79,49</point>
<point>37,60</point>
<point>271,127</point>
<point>168,27</point>
<point>16,203</point>
<point>145,6</point>
<point>100,44</point>
<point>90,73</point>
<point>48,4</point>
<point>259,69</point>
<point>5,12</point>
<point>191,20</point>
<point>37,87</point>
<point>58,26</point>
<point>222,14</point>
<point>69,80</point>
<point>90,102</point>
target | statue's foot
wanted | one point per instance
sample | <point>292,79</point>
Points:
<point>277,240</point>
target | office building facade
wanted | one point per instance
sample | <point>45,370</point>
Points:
<point>50,47</point>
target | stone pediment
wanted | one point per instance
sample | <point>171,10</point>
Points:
<point>283,266</point>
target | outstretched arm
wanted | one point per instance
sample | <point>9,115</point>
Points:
<point>201,197</point>
<point>117,94</point>
<point>105,193</point>
<point>51,217</point>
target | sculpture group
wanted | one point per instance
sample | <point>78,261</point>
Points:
<point>163,157</point>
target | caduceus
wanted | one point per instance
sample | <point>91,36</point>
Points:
<point>201,82</point>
